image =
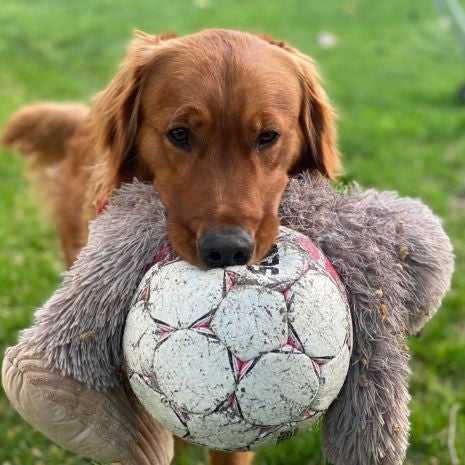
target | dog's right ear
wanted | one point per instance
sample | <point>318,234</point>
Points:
<point>116,111</point>
<point>316,119</point>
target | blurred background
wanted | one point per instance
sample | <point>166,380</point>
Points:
<point>393,69</point>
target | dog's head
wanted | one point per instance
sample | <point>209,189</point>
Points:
<point>218,121</point>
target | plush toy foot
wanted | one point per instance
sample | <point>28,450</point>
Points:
<point>103,425</point>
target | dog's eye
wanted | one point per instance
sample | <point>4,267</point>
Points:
<point>267,139</point>
<point>180,137</point>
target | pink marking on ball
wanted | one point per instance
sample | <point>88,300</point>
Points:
<point>144,294</point>
<point>308,245</point>
<point>330,269</point>
<point>241,367</point>
<point>266,430</point>
<point>230,280</point>
<point>183,416</point>
<point>286,293</point>
<point>203,330</point>
<point>233,404</point>
<point>293,341</point>
<point>307,413</point>
<point>165,331</point>
<point>164,254</point>
<point>289,349</point>
<point>152,381</point>
<point>318,363</point>
<point>203,323</point>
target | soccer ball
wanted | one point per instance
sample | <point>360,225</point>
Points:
<point>241,357</point>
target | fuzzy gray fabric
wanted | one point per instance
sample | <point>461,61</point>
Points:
<point>79,329</point>
<point>391,253</point>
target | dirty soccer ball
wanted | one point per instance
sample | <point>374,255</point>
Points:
<point>242,357</point>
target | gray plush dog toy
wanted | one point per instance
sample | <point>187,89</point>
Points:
<point>392,254</point>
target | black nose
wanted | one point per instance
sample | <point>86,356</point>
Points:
<point>225,247</point>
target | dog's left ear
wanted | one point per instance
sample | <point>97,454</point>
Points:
<point>316,118</point>
<point>116,110</point>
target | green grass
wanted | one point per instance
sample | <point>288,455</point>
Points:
<point>393,75</point>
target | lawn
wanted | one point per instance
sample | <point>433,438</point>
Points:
<point>393,73</point>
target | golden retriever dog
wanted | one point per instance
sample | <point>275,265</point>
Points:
<point>217,121</point>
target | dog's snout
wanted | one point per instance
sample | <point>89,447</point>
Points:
<point>225,247</point>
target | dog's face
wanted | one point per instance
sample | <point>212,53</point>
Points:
<point>218,121</point>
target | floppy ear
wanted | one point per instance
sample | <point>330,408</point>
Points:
<point>317,123</point>
<point>115,115</point>
<point>316,118</point>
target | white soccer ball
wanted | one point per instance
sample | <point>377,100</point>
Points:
<point>241,357</point>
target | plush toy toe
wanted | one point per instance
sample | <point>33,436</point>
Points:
<point>101,425</point>
<point>155,445</point>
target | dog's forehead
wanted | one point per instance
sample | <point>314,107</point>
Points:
<point>219,74</point>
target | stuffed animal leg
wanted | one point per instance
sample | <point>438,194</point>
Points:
<point>107,425</point>
<point>396,262</point>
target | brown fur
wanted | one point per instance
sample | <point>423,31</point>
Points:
<point>41,132</point>
<point>226,87</point>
